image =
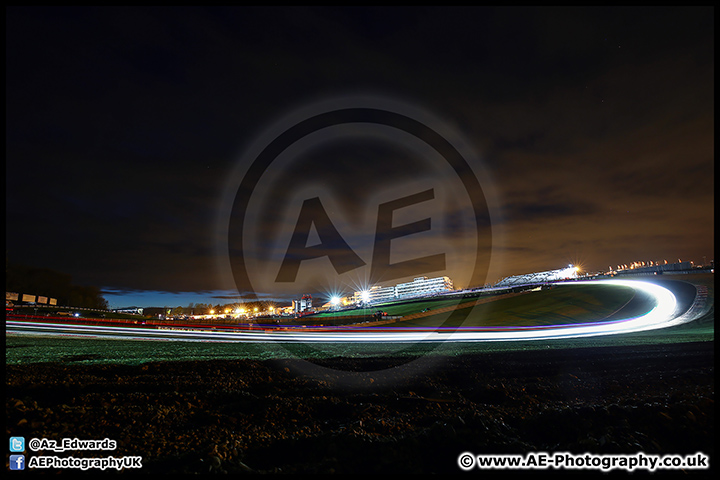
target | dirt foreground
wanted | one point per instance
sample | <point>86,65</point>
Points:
<point>281,417</point>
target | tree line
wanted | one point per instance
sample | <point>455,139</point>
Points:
<point>49,283</point>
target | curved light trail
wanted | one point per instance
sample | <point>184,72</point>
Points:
<point>662,315</point>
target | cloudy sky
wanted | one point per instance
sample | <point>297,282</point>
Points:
<point>126,129</point>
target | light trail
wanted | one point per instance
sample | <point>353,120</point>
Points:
<point>662,315</point>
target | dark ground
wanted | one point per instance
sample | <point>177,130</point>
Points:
<point>280,417</point>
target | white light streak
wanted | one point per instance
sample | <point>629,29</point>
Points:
<point>663,314</point>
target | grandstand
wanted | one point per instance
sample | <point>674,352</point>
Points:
<point>638,268</point>
<point>418,287</point>
<point>570,272</point>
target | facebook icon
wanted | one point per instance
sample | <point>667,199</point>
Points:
<point>17,462</point>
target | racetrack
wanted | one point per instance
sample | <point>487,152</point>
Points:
<point>652,306</point>
<point>321,407</point>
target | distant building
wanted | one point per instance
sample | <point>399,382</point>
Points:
<point>302,305</point>
<point>289,310</point>
<point>539,277</point>
<point>18,298</point>
<point>375,294</point>
<point>642,268</point>
<point>420,286</point>
<point>131,310</point>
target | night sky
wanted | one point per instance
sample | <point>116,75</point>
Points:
<point>594,130</point>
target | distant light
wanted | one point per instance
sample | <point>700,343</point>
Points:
<point>662,315</point>
<point>335,300</point>
<point>365,296</point>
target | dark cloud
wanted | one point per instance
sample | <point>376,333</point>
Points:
<point>543,211</point>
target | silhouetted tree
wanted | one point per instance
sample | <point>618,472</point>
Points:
<point>49,283</point>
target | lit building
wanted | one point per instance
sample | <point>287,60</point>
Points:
<point>286,310</point>
<point>302,305</point>
<point>420,286</point>
<point>654,268</point>
<point>540,277</point>
<point>130,310</point>
<point>375,294</point>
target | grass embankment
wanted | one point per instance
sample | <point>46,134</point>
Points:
<point>394,309</point>
<point>557,306</point>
